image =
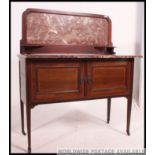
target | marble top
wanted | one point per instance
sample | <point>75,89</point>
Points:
<point>77,55</point>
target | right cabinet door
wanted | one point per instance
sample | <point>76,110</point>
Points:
<point>109,78</point>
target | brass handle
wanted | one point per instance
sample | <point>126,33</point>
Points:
<point>81,79</point>
<point>89,78</point>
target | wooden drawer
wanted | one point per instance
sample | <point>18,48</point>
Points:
<point>110,78</point>
<point>52,82</point>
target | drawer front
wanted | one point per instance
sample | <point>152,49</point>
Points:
<point>111,78</point>
<point>56,81</point>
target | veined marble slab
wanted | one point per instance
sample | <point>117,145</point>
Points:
<point>55,29</point>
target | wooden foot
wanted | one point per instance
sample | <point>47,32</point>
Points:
<point>128,133</point>
<point>23,132</point>
<point>29,150</point>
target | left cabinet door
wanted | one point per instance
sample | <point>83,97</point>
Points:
<point>56,81</point>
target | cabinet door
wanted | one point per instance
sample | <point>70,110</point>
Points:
<point>109,78</point>
<point>54,81</point>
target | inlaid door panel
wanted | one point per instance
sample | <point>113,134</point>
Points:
<point>108,78</point>
<point>57,81</point>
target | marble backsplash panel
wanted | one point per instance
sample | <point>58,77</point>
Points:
<point>55,29</point>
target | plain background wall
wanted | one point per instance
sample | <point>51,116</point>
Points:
<point>127,33</point>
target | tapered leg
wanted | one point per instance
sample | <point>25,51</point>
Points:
<point>129,106</point>
<point>28,111</point>
<point>22,116</point>
<point>108,109</point>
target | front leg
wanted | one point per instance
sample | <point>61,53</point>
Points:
<point>28,111</point>
<point>129,106</point>
<point>22,116</point>
<point>108,110</point>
